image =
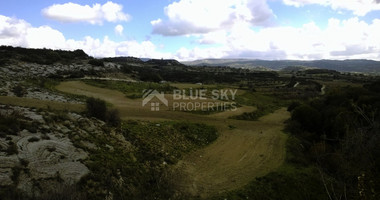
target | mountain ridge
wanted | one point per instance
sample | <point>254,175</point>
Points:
<point>348,65</point>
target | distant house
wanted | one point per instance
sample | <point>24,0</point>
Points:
<point>162,82</point>
<point>199,83</point>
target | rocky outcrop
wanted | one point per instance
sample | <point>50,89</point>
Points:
<point>37,159</point>
<point>14,74</point>
<point>22,70</point>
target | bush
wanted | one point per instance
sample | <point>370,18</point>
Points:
<point>293,105</point>
<point>96,62</point>
<point>262,110</point>
<point>11,124</point>
<point>308,117</point>
<point>12,149</point>
<point>3,62</point>
<point>19,91</point>
<point>286,183</point>
<point>96,108</point>
<point>33,139</point>
<point>113,118</point>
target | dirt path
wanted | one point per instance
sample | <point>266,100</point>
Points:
<point>323,90</point>
<point>244,150</point>
<point>251,150</point>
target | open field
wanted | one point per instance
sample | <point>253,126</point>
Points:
<point>36,103</point>
<point>191,85</point>
<point>237,157</point>
<point>244,150</point>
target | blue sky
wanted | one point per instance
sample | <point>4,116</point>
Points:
<point>196,29</point>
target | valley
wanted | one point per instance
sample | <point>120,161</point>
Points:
<point>77,127</point>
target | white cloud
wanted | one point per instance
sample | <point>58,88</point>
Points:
<point>203,16</point>
<point>341,39</point>
<point>200,53</point>
<point>44,37</point>
<point>95,14</point>
<point>16,32</point>
<point>12,31</point>
<point>347,39</point>
<point>213,37</point>
<point>358,7</point>
<point>119,29</point>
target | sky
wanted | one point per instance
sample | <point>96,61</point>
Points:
<point>197,29</point>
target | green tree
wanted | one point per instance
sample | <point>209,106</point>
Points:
<point>308,117</point>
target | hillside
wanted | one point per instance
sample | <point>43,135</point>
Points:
<point>362,66</point>
<point>52,140</point>
<point>76,127</point>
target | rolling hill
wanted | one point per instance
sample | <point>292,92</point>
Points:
<point>362,66</point>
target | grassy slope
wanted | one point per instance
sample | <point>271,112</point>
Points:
<point>258,146</point>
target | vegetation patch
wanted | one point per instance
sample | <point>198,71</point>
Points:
<point>41,56</point>
<point>261,111</point>
<point>265,104</point>
<point>33,139</point>
<point>132,90</point>
<point>97,108</point>
<point>213,110</point>
<point>169,139</point>
<point>11,124</point>
<point>288,182</point>
<point>338,134</point>
<point>141,171</point>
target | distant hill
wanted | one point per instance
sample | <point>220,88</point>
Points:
<point>363,66</point>
<point>40,56</point>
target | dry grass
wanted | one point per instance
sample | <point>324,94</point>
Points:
<point>250,150</point>
<point>36,103</point>
<point>191,85</point>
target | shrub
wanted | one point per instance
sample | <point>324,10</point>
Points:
<point>51,149</point>
<point>113,117</point>
<point>255,115</point>
<point>19,91</point>
<point>45,137</point>
<point>24,162</point>
<point>12,149</point>
<point>96,62</point>
<point>11,124</point>
<point>96,108</point>
<point>293,105</point>
<point>33,139</point>
<point>3,62</point>
<point>308,117</point>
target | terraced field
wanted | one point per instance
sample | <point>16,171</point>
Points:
<point>244,150</point>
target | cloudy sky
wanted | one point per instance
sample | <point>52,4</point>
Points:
<point>196,29</point>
